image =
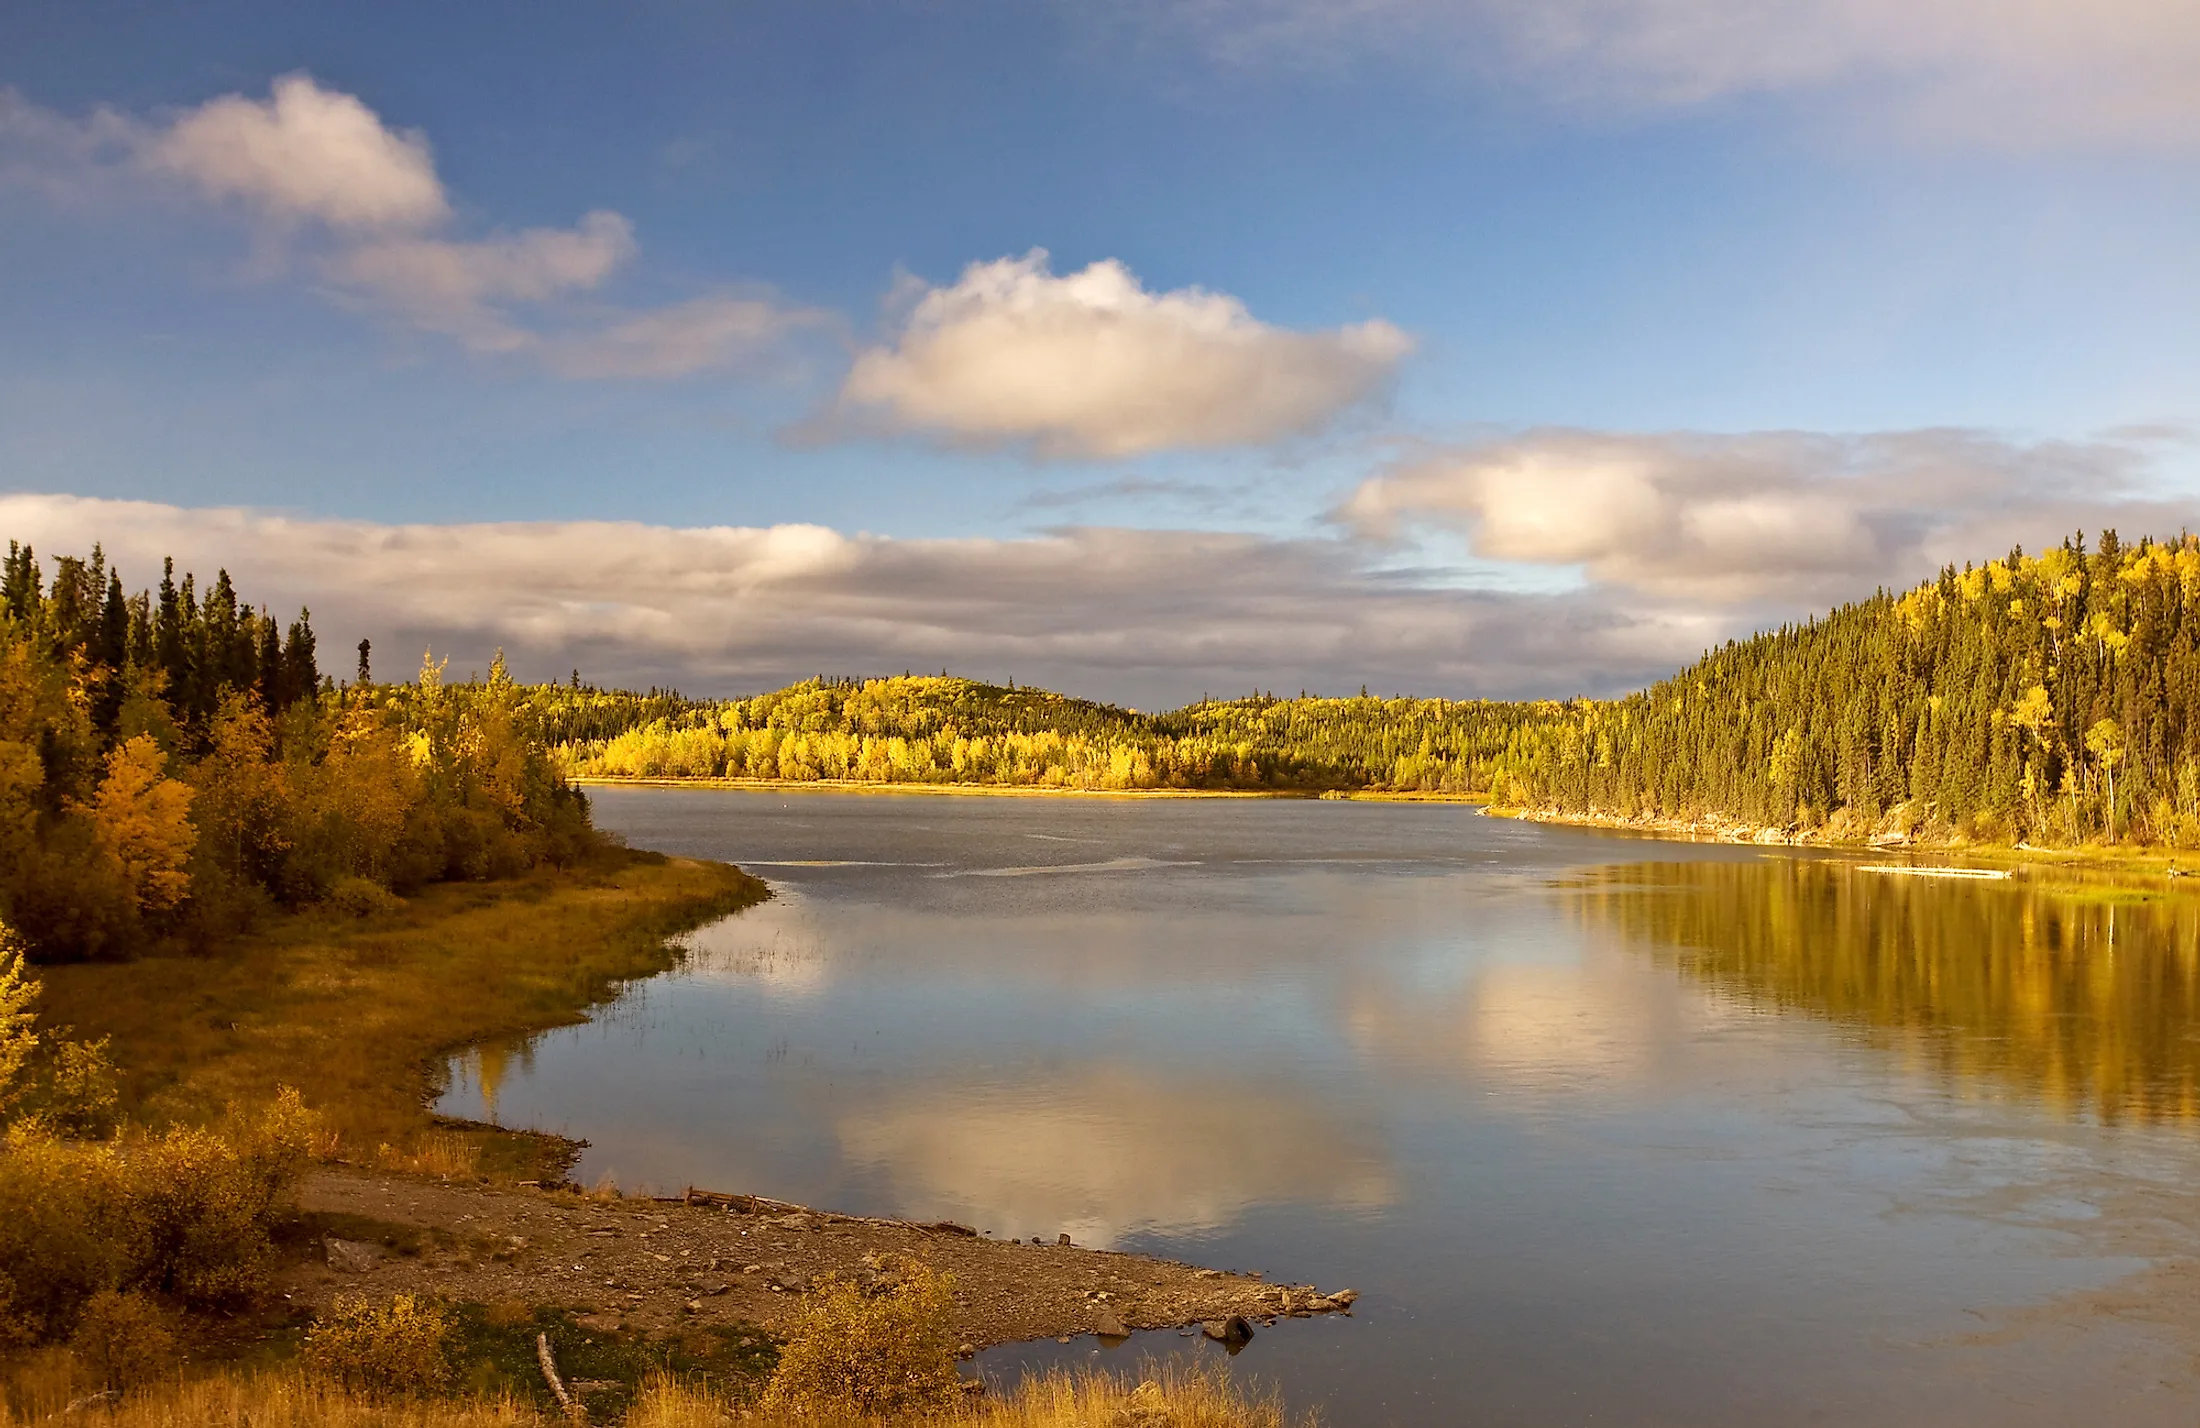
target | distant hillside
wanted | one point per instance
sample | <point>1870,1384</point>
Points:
<point>2053,699</point>
<point>2050,699</point>
<point>929,729</point>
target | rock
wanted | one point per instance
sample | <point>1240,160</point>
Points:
<point>950,1227</point>
<point>1233,1333</point>
<point>1109,1325</point>
<point>1345,1298</point>
<point>351,1256</point>
<point>797,1221</point>
<point>973,1387</point>
<point>966,1351</point>
<point>599,1323</point>
<point>1062,1240</point>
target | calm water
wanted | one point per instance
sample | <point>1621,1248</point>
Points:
<point>1606,1131</point>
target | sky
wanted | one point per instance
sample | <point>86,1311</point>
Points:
<point>1147,350</point>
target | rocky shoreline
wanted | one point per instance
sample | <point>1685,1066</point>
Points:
<point>659,1264</point>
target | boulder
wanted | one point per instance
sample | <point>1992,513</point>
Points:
<point>1233,1333</point>
<point>351,1256</point>
<point>1109,1325</point>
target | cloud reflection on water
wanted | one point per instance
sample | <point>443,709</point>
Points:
<point>1103,1151</point>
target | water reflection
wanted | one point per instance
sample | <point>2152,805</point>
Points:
<point>1109,1149</point>
<point>2083,999</point>
<point>1639,1146</point>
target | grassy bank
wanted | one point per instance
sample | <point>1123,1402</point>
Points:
<point>359,1013</point>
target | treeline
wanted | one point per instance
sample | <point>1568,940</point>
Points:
<point>928,729</point>
<point>2051,699</point>
<point>172,762</point>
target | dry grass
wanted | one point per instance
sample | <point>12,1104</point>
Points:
<point>359,1014</point>
<point>1158,1398</point>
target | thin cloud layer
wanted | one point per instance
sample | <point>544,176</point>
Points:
<point>1995,73</point>
<point>361,206</point>
<point>463,289</point>
<point>1091,364</point>
<point>1780,521</point>
<point>1148,618</point>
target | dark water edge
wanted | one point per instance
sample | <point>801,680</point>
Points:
<point>1605,1130</point>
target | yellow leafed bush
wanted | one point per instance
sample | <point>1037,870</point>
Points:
<point>399,1349</point>
<point>860,1355</point>
<point>185,1213</point>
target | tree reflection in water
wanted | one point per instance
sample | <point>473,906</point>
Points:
<point>2086,999</point>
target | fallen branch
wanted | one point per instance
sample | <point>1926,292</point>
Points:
<point>566,1401</point>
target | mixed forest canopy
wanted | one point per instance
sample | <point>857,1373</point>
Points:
<point>2048,699</point>
<point>2043,699</point>
<point>937,729</point>
<point>173,763</point>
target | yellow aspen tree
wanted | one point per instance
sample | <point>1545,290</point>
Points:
<point>143,818</point>
<point>18,992</point>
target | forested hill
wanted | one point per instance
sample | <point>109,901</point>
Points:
<point>936,730</point>
<point>2050,699</point>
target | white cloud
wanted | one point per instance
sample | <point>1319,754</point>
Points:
<point>305,153</point>
<point>360,205</point>
<point>1994,72</point>
<point>1786,519</point>
<point>1092,365</point>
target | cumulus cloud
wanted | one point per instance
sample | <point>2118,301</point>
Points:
<point>1149,618</point>
<point>1090,364</point>
<point>359,204</point>
<point>1994,72</point>
<point>304,153</point>
<point>1789,520</point>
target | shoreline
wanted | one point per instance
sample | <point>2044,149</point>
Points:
<point>660,1265</point>
<point>2145,866</point>
<point>1018,790</point>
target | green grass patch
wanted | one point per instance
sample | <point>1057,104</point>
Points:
<point>493,1349</point>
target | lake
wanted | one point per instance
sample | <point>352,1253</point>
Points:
<point>1605,1130</point>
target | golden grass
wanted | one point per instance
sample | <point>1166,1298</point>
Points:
<point>1156,1398</point>
<point>359,1015</point>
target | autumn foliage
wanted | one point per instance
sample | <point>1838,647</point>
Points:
<point>173,764</point>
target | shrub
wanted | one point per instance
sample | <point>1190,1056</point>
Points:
<point>362,897</point>
<point>863,1355</point>
<point>401,1348</point>
<point>186,1213</point>
<point>123,1339</point>
<point>77,1091</point>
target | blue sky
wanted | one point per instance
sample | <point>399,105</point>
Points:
<point>1496,304</point>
